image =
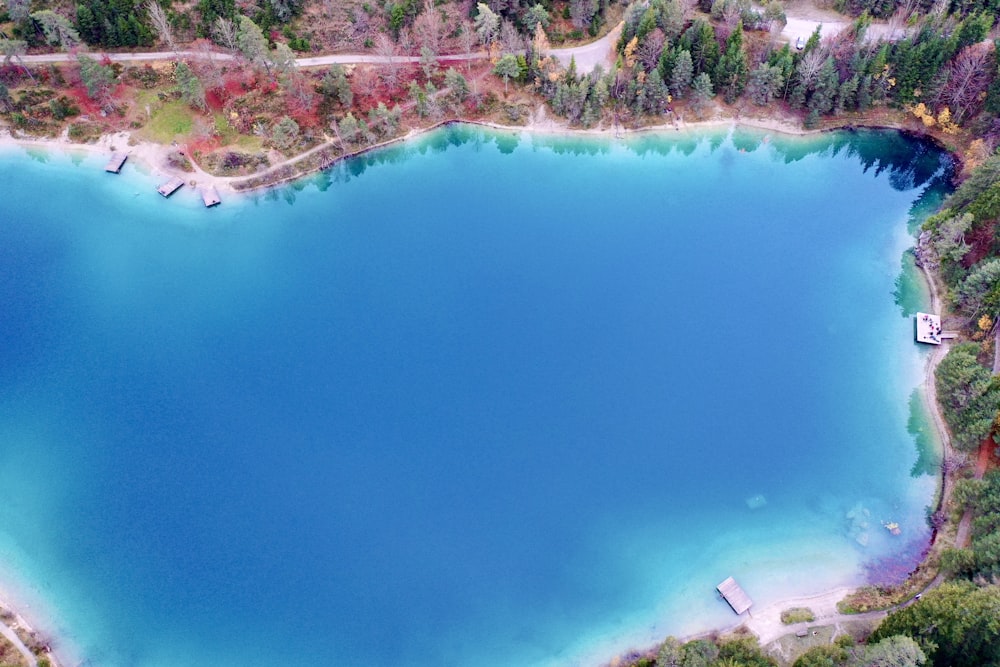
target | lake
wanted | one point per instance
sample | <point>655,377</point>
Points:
<point>483,398</point>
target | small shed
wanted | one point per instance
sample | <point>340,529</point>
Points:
<point>734,595</point>
<point>116,162</point>
<point>171,186</point>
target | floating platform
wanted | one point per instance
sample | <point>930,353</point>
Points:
<point>116,162</point>
<point>928,329</point>
<point>734,595</point>
<point>171,186</point>
<point>210,196</point>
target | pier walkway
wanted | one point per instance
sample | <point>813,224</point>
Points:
<point>734,595</point>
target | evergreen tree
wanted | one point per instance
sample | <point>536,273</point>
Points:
<point>655,94</point>
<point>765,83</point>
<point>97,78</point>
<point>335,85</point>
<point>284,133</point>
<point>731,71</point>
<point>348,128</point>
<point>456,84</point>
<point>824,92</point>
<point>189,86</point>
<point>507,68</point>
<point>683,74</point>
<point>701,93</point>
<point>699,41</point>
<point>847,95</point>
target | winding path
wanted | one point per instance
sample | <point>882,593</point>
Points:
<point>7,632</point>
<point>587,56</point>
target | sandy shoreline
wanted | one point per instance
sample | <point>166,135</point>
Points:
<point>764,622</point>
<point>154,157</point>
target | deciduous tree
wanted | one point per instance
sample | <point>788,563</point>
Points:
<point>161,24</point>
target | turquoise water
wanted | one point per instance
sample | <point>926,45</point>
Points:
<point>482,399</point>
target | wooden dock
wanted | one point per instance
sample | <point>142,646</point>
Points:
<point>114,165</point>
<point>171,186</point>
<point>734,595</point>
<point>928,329</point>
<point>210,196</point>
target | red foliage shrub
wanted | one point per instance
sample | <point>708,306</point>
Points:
<point>216,98</point>
<point>87,105</point>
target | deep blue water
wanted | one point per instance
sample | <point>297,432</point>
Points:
<point>481,399</point>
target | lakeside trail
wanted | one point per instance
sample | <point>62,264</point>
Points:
<point>12,637</point>
<point>587,56</point>
<point>801,22</point>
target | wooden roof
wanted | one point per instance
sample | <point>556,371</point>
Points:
<point>734,595</point>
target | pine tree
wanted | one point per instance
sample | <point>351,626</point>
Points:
<point>335,85</point>
<point>702,93</point>
<point>189,86</point>
<point>655,93</point>
<point>683,74</point>
<point>765,83</point>
<point>825,91</point>
<point>847,96</point>
<point>731,71</point>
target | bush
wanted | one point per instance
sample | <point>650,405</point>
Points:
<point>797,615</point>
<point>63,108</point>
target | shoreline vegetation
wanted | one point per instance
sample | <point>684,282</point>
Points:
<point>672,67</point>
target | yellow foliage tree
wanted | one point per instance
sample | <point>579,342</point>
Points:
<point>945,123</point>
<point>540,43</point>
<point>976,154</point>
<point>985,323</point>
<point>630,50</point>
<point>921,112</point>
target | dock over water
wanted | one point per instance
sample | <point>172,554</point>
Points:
<point>928,329</point>
<point>210,196</point>
<point>734,595</point>
<point>171,186</point>
<point>114,165</point>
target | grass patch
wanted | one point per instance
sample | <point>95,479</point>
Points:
<point>797,615</point>
<point>171,121</point>
<point>85,133</point>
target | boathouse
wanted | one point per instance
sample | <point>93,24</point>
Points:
<point>114,165</point>
<point>171,186</point>
<point>734,595</point>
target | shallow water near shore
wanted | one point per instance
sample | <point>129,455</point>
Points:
<point>481,399</point>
